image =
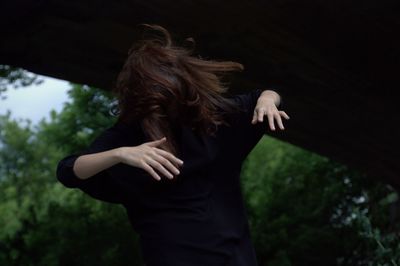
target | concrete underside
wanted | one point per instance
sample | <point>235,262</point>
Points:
<point>336,63</point>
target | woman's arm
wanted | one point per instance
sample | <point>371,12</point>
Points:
<point>91,163</point>
<point>90,174</point>
<point>88,165</point>
<point>254,103</point>
<point>88,170</point>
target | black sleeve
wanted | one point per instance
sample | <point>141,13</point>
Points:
<point>249,99</point>
<point>100,186</point>
<point>250,133</point>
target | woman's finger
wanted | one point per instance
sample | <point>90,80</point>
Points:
<point>279,121</point>
<point>284,114</point>
<point>271,120</point>
<point>169,156</point>
<point>260,114</point>
<point>153,163</point>
<point>151,171</point>
<point>156,142</point>
<point>254,120</point>
<point>167,163</point>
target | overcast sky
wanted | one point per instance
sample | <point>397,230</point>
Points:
<point>36,101</point>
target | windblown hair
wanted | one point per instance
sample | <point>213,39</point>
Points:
<point>162,86</point>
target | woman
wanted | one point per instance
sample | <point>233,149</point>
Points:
<point>174,156</point>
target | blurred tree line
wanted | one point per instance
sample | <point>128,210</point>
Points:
<point>304,209</point>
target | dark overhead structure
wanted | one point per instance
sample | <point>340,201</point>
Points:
<point>336,63</point>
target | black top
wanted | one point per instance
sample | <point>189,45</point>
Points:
<point>199,217</point>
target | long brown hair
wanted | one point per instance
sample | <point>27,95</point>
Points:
<point>162,85</point>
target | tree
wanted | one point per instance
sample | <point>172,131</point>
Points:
<point>42,222</point>
<point>15,77</point>
<point>309,210</point>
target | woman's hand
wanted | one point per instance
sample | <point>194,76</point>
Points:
<point>147,156</point>
<point>266,105</point>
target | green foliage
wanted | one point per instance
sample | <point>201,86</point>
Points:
<point>42,222</point>
<point>384,246</point>
<point>15,77</point>
<point>303,209</point>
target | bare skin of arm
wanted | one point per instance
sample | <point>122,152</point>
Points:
<point>87,165</point>
<point>146,156</point>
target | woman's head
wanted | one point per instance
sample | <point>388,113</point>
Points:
<point>162,85</point>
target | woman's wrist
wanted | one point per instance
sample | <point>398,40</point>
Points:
<point>270,96</point>
<point>117,155</point>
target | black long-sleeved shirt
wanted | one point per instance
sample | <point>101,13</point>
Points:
<point>199,217</point>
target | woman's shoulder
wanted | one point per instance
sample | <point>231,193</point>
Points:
<point>122,126</point>
<point>126,132</point>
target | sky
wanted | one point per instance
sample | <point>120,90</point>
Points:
<point>35,101</point>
